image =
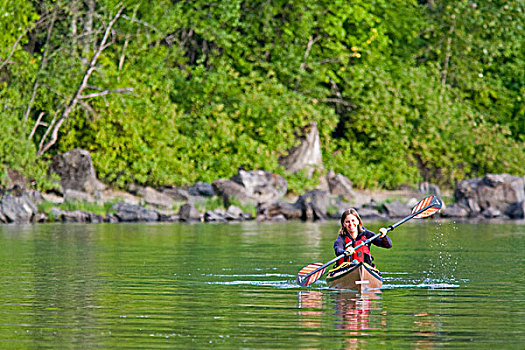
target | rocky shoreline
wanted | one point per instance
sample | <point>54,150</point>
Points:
<point>498,197</point>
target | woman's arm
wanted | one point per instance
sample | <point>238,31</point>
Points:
<point>384,241</point>
<point>339,246</point>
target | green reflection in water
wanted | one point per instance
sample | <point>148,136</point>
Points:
<point>447,285</point>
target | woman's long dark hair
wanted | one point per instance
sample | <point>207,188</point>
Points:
<point>343,217</point>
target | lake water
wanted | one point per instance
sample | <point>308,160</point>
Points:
<point>140,286</point>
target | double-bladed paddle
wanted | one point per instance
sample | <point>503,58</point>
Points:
<point>426,207</point>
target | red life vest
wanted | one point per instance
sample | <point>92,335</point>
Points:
<point>360,252</point>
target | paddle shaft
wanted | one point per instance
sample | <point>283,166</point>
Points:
<point>390,228</point>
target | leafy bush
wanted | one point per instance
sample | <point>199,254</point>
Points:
<point>401,91</point>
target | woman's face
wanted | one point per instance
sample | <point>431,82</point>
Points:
<point>351,223</point>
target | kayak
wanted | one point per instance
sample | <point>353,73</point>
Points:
<point>357,276</point>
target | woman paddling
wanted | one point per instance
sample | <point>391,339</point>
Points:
<point>351,234</point>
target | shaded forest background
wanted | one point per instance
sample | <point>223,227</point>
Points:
<point>175,92</point>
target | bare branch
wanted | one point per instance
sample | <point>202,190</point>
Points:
<point>105,92</point>
<point>145,24</point>
<point>126,42</point>
<point>12,50</point>
<point>339,95</point>
<point>56,92</point>
<point>37,124</point>
<point>87,107</point>
<point>334,100</point>
<point>43,147</point>
<point>447,56</point>
<point>311,42</point>
<point>32,100</point>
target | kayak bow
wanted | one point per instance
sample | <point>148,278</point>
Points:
<point>357,276</point>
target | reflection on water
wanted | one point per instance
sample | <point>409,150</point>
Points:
<point>310,303</point>
<point>354,313</point>
<point>360,316</point>
<point>425,328</point>
<point>233,286</point>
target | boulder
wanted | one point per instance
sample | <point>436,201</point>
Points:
<point>396,209</point>
<point>260,184</point>
<point>35,196</point>
<point>290,211</point>
<point>491,212</point>
<point>76,216</point>
<point>367,213</point>
<point>216,215</point>
<point>52,198</point>
<point>40,218</point>
<point>231,190</point>
<point>455,211</point>
<point>251,187</point>
<point>78,196</point>
<point>168,217</point>
<point>234,213</point>
<point>314,205</point>
<point>499,192</point>
<point>176,194</point>
<point>154,197</point>
<point>189,213</point>
<point>112,219</point>
<point>17,209</point>
<point>516,210</point>
<point>111,195</point>
<point>340,185</point>
<point>201,189</point>
<point>126,212</point>
<point>278,218</point>
<point>76,171</point>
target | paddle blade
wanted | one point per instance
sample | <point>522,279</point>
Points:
<point>307,276</point>
<point>432,205</point>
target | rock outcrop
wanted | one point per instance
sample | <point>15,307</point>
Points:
<point>251,187</point>
<point>76,171</point>
<point>340,185</point>
<point>307,155</point>
<point>494,195</point>
<point>17,209</point>
<point>126,212</point>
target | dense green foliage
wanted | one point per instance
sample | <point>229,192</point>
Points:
<point>176,92</point>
